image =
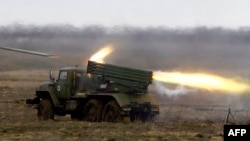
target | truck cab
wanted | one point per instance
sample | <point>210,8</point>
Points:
<point>69,82</point>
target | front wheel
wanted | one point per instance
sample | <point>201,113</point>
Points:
<point>45,110</point>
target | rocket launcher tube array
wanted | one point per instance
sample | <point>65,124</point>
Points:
<point>129,78</point>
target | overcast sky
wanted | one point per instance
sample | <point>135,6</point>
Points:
<point>140,13</point>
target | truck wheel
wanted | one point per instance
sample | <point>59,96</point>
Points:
<point>92,110</point>
<point>111,112</point>
<point>45,110</point>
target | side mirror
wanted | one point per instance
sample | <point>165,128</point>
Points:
<point>51,76</point>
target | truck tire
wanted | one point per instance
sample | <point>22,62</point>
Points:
<point>111,112</point>
<point>92,110</point>
<point>45,110</point>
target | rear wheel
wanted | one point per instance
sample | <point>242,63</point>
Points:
<point>111,112</point>
<point>45,110</point>
<point>92,110</point>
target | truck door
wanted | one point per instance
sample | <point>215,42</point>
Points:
<point>77,82</point>
<point>62,85</point>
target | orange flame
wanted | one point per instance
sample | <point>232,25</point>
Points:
<point>101,54</point>
<point>202,80</point>
<point>54,56</point>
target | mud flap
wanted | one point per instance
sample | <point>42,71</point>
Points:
<point>35,100</point>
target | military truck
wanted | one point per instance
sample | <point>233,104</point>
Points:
<point>103,92</point>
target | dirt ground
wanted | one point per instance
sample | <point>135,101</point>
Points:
<point>18,121</point>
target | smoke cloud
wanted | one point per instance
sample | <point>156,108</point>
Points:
<point>173,93</point>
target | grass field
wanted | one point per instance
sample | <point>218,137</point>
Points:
<point>19,122</point>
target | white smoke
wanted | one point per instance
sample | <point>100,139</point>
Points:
<point>177,91</point>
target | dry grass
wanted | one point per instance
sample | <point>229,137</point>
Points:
<point>19,122</point>
<point>76,130</point>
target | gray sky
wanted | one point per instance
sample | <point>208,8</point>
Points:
<point>141,13</point>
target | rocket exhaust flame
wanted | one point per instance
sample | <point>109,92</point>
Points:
<point>101,54</point>
<point>54,57</point>
<point>202,80</point>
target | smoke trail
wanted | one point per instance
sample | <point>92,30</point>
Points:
<point>203,81</point>
<point>178,91</point>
